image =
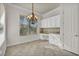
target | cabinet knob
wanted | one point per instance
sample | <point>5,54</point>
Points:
<point>76,35</point>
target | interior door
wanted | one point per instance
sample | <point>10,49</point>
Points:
<point>71,34</point>
<point>67,27</point>
<point>75,29</point>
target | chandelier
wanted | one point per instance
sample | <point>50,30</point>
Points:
<point>33,18</point>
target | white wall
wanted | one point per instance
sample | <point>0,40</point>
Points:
<point>13,37</point>
<point>3,34</point>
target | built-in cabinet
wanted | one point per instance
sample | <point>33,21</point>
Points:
<point>44,36</point>
<point>69,26</point>
<point>50,27</point>
<point>55,39</point>
<point>51,22</point>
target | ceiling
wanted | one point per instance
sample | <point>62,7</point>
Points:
<point>39,7</point>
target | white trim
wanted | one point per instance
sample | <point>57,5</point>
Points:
<point>53,12</point>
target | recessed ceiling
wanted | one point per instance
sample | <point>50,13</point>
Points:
<point>39,7</point>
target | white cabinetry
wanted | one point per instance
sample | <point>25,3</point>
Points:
<point>51,22</point>
<point>55,39</point>
<point>44,36</point>
<point>57,21</point>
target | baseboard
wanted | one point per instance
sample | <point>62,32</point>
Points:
<point>19,43</point>
<point>71,52</point>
